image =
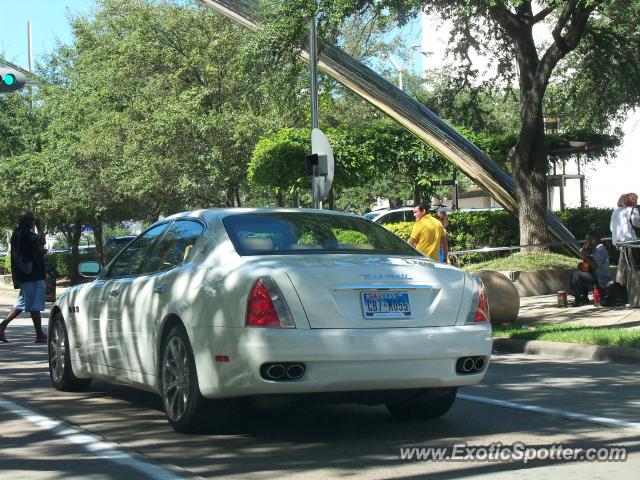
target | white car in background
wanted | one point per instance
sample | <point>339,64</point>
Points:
<point>228,303</point>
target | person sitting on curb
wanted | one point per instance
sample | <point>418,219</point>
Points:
<point>28,272</point>
<point>593,271</point>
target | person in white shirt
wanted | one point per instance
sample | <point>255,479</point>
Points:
<point>622,218</point>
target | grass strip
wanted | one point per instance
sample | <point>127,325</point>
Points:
<point>608,336</point>
<point>525,261</point>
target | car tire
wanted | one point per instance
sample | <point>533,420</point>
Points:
<point>181,398</point>
<point>60,368</point>
<point>426,404</point>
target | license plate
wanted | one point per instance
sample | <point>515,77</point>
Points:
<point>386,304</point>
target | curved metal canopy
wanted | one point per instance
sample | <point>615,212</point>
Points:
<point>410,113</point>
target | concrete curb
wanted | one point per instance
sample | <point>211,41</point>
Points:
<point>567,350</point>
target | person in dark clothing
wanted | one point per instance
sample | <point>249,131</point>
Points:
<point>593,271</point>
<point>28,272</point>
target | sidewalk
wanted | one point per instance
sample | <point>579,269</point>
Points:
<point>544,309</point>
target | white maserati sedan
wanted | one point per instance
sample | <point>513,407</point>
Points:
<point>210,306</point>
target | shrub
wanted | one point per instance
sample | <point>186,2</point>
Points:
<point>61,261</point>
<point>402,229</point>
<point>348,237</point>
<point>579,221</point>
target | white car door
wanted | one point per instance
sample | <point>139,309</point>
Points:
<point>111,309</point>
<point>150,295</point>
<point>101,322</point>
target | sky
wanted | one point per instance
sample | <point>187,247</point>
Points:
<point>50,25</point>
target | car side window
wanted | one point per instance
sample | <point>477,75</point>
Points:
<point>393,217</point>
<point>174,247</point>
<point>130,260</point>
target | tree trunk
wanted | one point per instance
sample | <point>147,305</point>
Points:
<point>529,167</point>
<point>229,197</point>
<point>73,233</point>
<point>529,157</point>
<point>97,235</point>
<point>417,193</point>
<point>280,197</point>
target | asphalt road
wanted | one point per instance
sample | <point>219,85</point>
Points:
<point>118,432</point>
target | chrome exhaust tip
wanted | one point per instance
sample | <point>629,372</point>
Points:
<point>282,372</point>
<point>275,371</point>
<point>468,364</point>
<point>295,371</point>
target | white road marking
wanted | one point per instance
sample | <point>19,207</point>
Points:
<point>611,422</point>
<point>91,443</point>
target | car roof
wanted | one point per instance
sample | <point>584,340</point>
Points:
<point>213,214</point>
<point>379,213</point>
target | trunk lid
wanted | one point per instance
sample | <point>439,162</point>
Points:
<point>361,291</point>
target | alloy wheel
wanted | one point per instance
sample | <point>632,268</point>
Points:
<point>57,352</point>
<point>176,379</point>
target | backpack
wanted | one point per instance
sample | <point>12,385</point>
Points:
<point>615,295</point>
<point>635,229</point>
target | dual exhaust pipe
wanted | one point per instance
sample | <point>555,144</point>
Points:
<point>282,371</point>
<point>468,365</point>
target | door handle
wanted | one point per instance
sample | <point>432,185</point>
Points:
<point>114,293</point>
<point>160,289</point>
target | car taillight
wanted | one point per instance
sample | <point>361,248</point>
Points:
<point>266,306</point>
<point>482,311</point>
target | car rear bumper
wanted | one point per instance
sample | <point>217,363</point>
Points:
<point>338,360</point>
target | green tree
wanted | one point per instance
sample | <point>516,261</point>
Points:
<point>186,96</point>
<point>154,108</point>
<point>278,162</point>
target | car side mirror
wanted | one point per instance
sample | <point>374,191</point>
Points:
<point>90,269</point>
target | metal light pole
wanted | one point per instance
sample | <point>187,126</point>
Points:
<point>30,66</point>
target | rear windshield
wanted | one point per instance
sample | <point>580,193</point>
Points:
<point>282,233</point>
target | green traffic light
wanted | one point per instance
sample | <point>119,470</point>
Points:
<point>9,79</point>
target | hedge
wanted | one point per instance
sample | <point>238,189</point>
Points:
<point>472,230</point>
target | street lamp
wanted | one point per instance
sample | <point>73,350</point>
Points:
<point>401,68</point>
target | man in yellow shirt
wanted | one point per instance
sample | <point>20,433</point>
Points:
<point>428,234</point>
